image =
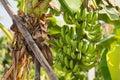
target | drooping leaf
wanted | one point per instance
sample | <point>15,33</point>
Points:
<point>7,33</point>
<point>21,4</point>
<point>112,13</point>
<point>113,61</point>
<point>109,15</point>
<point>53,30</point>
<point>71,6</point>
<point>104,67</point>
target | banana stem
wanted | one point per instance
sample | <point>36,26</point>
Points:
<point>7,33</point>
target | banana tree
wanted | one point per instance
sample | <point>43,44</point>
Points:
<point>81,43</point>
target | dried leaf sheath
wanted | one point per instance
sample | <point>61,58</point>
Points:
<point>38,29</point>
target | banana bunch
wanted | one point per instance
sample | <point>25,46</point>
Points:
<point>77,41</point>
<point>87,47</point>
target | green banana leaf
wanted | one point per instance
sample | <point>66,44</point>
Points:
<point>109,15</point>
<point>7,33</point>
<point>71,6</point>
<point>113,61</point>
<point>104,66</point>
<point>21,4</point>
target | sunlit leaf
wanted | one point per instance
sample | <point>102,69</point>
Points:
<point>115,3</point>
<point>21,4</point>
<point>112,13</point>
<point>107,41</point>
<point>7,33</point>
<point>113,61</point>
<point>71,6</point>
<point>74,5</point>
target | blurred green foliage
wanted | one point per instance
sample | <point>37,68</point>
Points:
<point>5,58</point>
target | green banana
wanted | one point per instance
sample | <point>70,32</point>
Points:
<point>73,55</point>
<point>71,32</point>
<point>84,13</point>
<point>94,18</point>
<point>90,48</point>
<point>65,49</point>
<point>95,31</point>
<point>58,65</point>
<point>68,39</point>
<point>65,69</point>
<point>88,28</point>
<point>61,42</point>
<point>71,64</point>
<point>76,67</point>
<point>74,44</point>
<point>67,18</point>
<point>85,47</point>
<point>93,59</point>
<point>90,37</point>
<point>78,16</point>
<point>79,55</point>
<point>84,24</point>
<point>88,59</point>
<point>66,61</point>
<point>68,51</point>
<point>80,45</point>
<point>87,66</point>
<point>57,43</point>
<point>89,16</point>
<point>63,29</point>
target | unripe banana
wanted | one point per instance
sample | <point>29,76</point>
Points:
<point>93,59</point>
<point>89,16</point>
<point>99,37</point>
<point>58,43</point>
<point>88,59</point>
<point>88,28</point>
<point>95,17</point>
<point>58,65</point>
<point>80,45</point>
<point>79,56</point>
<point>85,47</point>
<point>71,32</point>
<point>84,13</point>
<point>74,44</point>
<point>90,37</point>
<point>87,66</point>
<point>65,69</point>
<point>90,48</point>
<point>63,31</point>
<point>65,49</point>
<point>68,39</point>
<point>71,64</point>
<point>96,30</point>
<point>66,61</point>
<point>79,31</point>
<point>61,42</point>
<point>78,16</point>
<point>68,51</point>
<point>73,55</point>
<point>76,67</point>
<point>67,18</point>
<point>84,24</point>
